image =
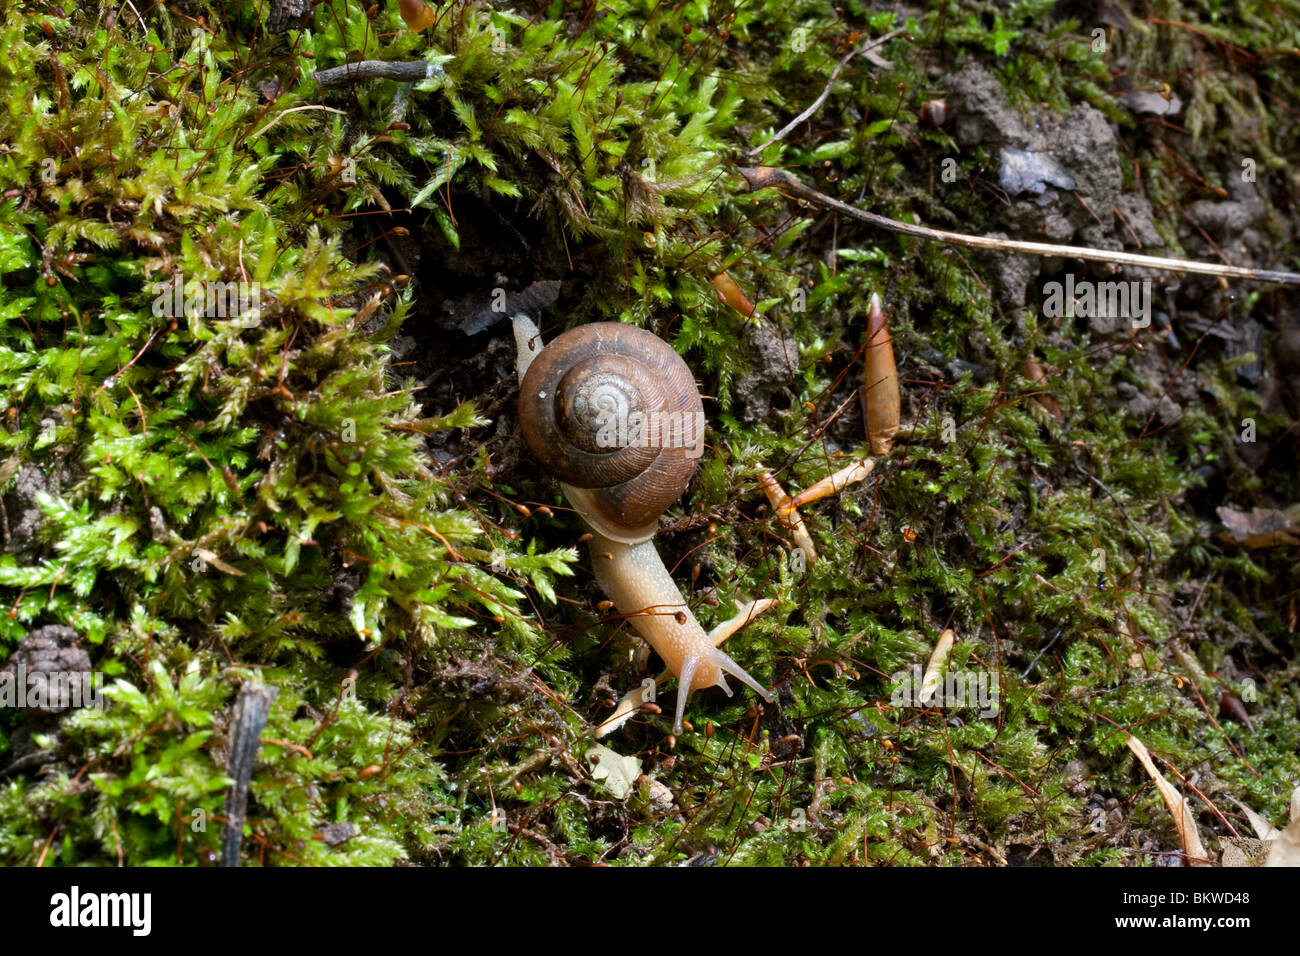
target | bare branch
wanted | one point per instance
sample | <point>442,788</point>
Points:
<point>835,74</point>
<point>411,72</point>
<point>760,177</point>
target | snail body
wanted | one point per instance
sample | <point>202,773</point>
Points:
<point>613,412</point>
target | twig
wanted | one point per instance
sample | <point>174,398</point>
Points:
<point>761,177</point>
<point>407,72</point>
<point>135,358</point>
<point>981,845</point>
<point>1038,656</point>
<point>817,103</point>
<point>247,718</point>
<point>296,109</point>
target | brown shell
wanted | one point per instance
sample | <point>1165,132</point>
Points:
<point>612,408</point>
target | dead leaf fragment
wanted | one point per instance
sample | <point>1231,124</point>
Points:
<point>1273,848</point>
<point>1261,528</point>
<point>788,516</point>
<point>630,703</point>
<point>831,484</point>
<point>1286,847</point>
<point>1038,375</point>
<point>1263,829</point>
<point>1243,851</point>
<point>1188,835</point>
<point>217,563</point>
<point>938,658</point>
<point>660,798</point>
<point>618,774</point>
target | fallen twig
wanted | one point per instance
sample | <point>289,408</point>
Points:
<point>760,177</point>
<point>835,75</point>
<point>297,109</point>
<point>411,72</point>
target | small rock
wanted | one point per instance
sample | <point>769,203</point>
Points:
<point>1222,219</point>
<point>44,652</point>
<point>1023,171</point>
<point>20,503</point>
<point>336,834</point>
<point>978,110</point>
<point>1288,349</point>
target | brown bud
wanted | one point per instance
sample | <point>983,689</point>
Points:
<point>1232,708</point>
<point>1038,375</point>
<point>730,292</point>
<point>881,402</point>
<point>934,113</point>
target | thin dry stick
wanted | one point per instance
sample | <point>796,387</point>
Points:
<point>410,72</point>
<point>835,75</point>
<point>297,109</point>
<point>761,177</point>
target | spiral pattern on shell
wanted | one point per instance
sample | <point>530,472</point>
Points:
<point>612,408</point>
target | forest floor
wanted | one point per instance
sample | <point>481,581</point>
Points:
<point>330,495</point>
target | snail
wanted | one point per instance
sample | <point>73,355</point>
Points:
<point>613,412</point>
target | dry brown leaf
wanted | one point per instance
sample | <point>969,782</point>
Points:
<point>1261,528</point>
<point>1263,829</point>
<point>1273,848</point>
<point>1188,835</point>
<point>1286,848</point>
<point>1243,851</point>
<point>1038,375</point>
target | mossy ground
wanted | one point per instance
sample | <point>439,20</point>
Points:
<point>328,498</point>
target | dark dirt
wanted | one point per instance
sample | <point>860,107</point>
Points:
<point>1099,213</point>
<point>45,650</point>
<point>22,513</point>
<point>1094,213</point>
<point>773,360</point>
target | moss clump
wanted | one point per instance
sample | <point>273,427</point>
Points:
<point>327,495</point>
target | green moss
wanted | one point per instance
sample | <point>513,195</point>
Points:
<point>278,498</point>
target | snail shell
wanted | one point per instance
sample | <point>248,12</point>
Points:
<point>613,412</point>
